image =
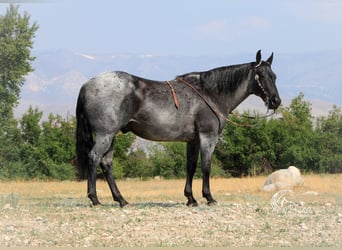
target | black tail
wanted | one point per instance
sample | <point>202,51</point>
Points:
<point>84,138</point>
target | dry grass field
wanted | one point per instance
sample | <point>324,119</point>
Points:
<point>52,213</point>
<point>328,186</point>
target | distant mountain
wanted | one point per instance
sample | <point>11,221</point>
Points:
<point>59,74</point>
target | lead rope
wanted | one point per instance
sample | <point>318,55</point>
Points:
<point>256,117</point>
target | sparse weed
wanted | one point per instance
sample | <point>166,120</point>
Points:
<point>10,201</point>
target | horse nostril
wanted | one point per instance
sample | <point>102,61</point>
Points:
<point>275,101</point>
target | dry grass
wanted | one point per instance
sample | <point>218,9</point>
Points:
<point>166,190</point>
<point>51,213</point>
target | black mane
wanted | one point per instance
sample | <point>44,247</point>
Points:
<point>223,79</point>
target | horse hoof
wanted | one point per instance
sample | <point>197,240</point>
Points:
<point>124,204</point>
<point>96,204</point>
<point>212,203</point>
<point>192,204</point>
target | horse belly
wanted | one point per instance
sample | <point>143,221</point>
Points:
<point>162,127</point>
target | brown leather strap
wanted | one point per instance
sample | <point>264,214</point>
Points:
<point>215,111</point>
<point>173,92</point>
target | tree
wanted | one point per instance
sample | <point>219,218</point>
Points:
<point>30,127</point>
<point>275,143</point>
<point>244,146</point>
<point>169,161</point>
<point>329,141</point>
<point>16,41</point>
<point>57,139</point>
<point>57,142</point>
<point>294,137</point>
<point>122,144</point>
<point>138,165</point>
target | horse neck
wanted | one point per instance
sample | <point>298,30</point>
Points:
<point>233,99</point>
<point>236,87</point>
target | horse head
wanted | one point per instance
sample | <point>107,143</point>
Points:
<point>264,82</point>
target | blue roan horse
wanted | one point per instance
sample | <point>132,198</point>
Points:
<point>192,108</point>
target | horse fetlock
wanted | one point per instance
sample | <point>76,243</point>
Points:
<point>210,199</point>
<point>94,199</point>
<point>188,194</point>
<point>121,200</point>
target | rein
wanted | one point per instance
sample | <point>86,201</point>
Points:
<point>215,111</point>
<point>256,117</point>
<point>249,117</point>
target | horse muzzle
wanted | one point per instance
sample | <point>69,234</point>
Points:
<point>273,103</point>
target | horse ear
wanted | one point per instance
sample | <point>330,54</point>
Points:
<point>258,57</point>
<point>270,59</point>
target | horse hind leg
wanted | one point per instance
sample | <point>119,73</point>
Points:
<point>101,146</point>
<point>107,166</point>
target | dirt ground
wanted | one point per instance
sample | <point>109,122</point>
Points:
<point>59,214</point>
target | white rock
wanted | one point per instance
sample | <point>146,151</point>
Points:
<point>283,179</point>
<point>7,206</point>
<point>311,193</point>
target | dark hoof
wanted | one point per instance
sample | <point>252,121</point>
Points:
<point>192,203</point>
<point>124,203</point>
<point>97,203</point>
<point>212,203</point>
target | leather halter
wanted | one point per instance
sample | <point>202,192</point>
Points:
<point>257,79</point>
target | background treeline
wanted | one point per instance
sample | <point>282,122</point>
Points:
<point>34,149</point>
<point>46,150</point>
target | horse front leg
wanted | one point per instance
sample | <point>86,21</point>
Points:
<point>208,144</point>
<point>192,152</point>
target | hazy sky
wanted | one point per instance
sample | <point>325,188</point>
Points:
<point>186,27</point>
